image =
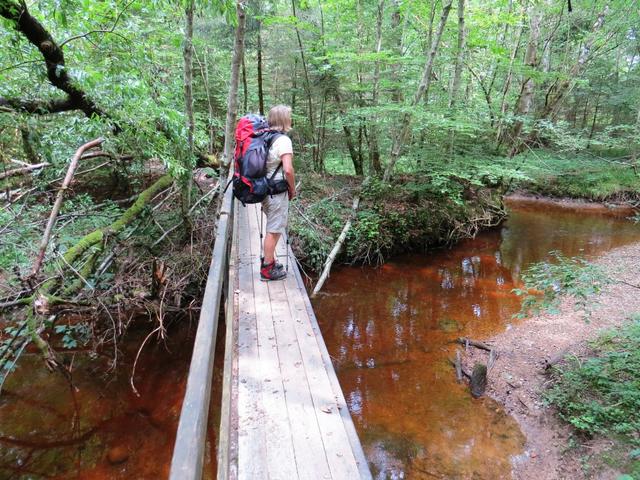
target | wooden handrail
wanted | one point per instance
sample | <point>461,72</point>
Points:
<point>188,451</point>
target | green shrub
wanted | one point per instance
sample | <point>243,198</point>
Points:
<point>600,395</point>
<point>547,282</point>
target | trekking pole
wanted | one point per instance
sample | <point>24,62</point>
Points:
<point>261,236</point>
<point>286,234</point>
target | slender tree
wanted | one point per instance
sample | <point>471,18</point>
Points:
<point>374,149</point>
<point>457,73</point>
<point>259,62</point>
<point>422,91</point>
<point>232,99</point>
<point>525,100</point>
<point>188,72</point>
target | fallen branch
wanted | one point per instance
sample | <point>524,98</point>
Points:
<point>338,245</point>
<point>629,284</point>
<point>58,203</point>
<point>22,170</point>
<point>458,366</point>
<point>467,341</point>
<point>462,370</point>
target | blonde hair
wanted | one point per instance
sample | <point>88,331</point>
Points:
<point>280,118</point>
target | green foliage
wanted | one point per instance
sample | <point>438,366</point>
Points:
<point>75,335</point>
<point>600,395</point>
<point>547,282</point>
<point>20,239</point>
<point>13,341</point>
<point>583,175</point>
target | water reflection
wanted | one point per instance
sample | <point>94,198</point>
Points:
<point>389,331</point>
<point>97,428</point>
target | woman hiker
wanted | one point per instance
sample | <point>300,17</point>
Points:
<point>276,207</point>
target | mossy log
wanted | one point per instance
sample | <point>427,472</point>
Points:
<point>97,236</point>
<point>41,301</point>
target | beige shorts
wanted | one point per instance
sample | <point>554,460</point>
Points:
<point>276,208</point>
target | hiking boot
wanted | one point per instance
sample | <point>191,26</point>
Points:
<point>279,266</point>
<point>271,271</point>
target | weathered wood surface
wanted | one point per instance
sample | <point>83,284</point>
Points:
<point>189,449</point>
<point>283,413</point>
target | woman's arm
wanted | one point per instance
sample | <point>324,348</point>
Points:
<point>289,174</point>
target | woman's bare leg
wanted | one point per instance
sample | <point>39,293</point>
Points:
<point>270,242</point>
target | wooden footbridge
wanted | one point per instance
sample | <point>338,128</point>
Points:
<point>283,413</point>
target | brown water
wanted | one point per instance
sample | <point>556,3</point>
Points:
<point>99,428</point>
<point>389,331</point>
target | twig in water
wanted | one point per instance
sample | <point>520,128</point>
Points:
<point>133,371</point>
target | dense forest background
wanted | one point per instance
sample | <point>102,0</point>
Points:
<point>434,103</point>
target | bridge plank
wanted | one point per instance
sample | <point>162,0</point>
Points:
<point>291,418</point>
<point>337,446</point>
<point>252,455</point>
<point>356,446</point>
<point>227,441</point>
<point>308,442</point>
<point>281,458</point>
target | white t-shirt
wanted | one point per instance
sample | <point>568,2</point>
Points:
<point>279,147</point>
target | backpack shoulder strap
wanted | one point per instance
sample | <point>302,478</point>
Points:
<point>269,141</point>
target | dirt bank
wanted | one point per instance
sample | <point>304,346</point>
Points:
<point>518,378</point>
<point>616,209</point>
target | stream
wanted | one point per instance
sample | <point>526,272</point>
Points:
<point>96,426</point>
<point>389,331</point>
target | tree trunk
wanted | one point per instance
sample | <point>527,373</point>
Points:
<point>577,69</point>
<point>348,136</point>
<point>232,100</point>
<point>397,32</point>
<point>462,38</point>
<point>525,101</point>
<point>294,84</point>
<point>501,40</point>
<point>423,90</point>
<point>307,87</point>
<point>595,119</point>
<point>245,87</point>
<point>374,150</point>
<point>188,73</point>
<point>28,144</point>
<point>185,183</point>
<point>260,91</point>
<point>507,84</point>
<point>212,130</point>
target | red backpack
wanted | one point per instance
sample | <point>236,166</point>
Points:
<point>254,137</point>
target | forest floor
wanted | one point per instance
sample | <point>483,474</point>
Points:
<point>518,378</point>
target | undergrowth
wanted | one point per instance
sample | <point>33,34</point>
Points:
<point>600,395</point>
<point>577,175</point>
<point>408,215</point>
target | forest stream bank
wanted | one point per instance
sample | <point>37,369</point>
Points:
<point>519,379</point>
